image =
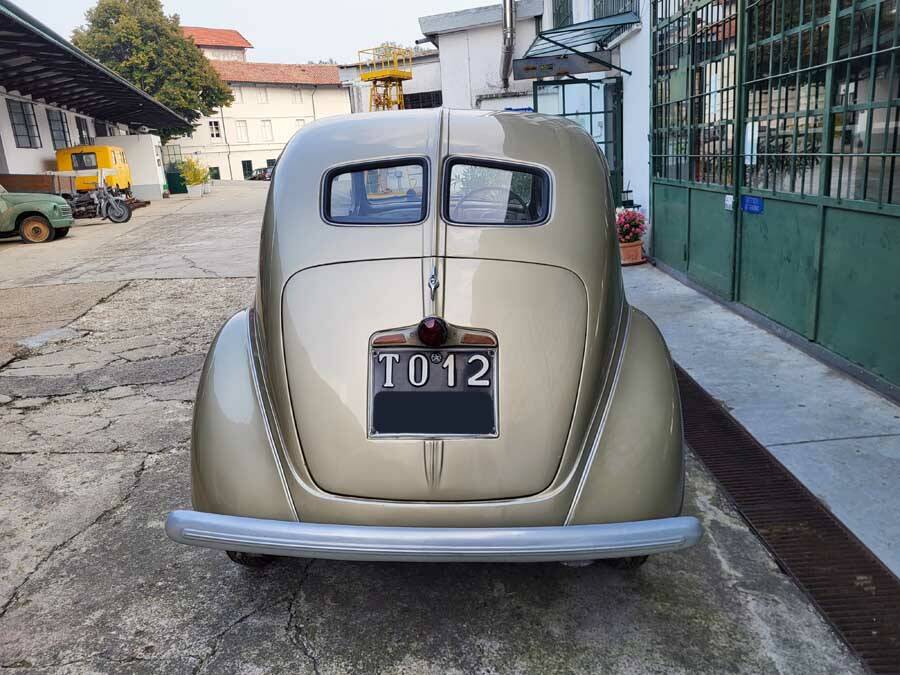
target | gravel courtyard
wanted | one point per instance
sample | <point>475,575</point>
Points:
<point>102,336</point>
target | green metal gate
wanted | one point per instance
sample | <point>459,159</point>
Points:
<point>597,106</point>
<point>775,165</point>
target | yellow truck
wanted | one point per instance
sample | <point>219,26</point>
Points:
<point>91,158</point>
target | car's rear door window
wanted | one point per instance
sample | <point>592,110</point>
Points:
<point>384,193</point>
<point>494,193</point>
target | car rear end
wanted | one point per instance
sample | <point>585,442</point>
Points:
<point>435,352</point>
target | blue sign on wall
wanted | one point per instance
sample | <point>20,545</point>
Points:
<point>751,204</point>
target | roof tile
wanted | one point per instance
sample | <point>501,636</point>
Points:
<point>276,73</point>
<point>215,37</point>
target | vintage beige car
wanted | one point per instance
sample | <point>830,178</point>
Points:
<point>440,363</point>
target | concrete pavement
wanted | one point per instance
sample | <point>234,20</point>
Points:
<point>94,454</point>
<point>841,439</point>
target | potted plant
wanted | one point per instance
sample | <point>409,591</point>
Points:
<point>630,227</point>
<point>195,175</point>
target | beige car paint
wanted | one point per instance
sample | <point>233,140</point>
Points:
<point>324,289</point>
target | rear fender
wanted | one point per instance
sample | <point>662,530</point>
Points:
<point>234,466</point>
<point>636,465</point>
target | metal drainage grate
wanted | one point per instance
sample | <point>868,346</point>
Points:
<point>853,590</point>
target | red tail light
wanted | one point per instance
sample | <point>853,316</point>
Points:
<point>432,331</point>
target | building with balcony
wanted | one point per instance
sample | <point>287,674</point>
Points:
<point>272,101</point>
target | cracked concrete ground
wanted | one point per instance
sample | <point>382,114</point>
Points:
<point>94,453</point>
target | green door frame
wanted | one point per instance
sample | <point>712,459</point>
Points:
<point>816,212</point>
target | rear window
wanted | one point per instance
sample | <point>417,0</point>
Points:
<point>488,193</point>
<point>387,193</point>
<point>84,160</point>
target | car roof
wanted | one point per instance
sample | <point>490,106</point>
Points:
<point>579,220</point>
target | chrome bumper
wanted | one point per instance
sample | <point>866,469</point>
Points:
<point>432,544</point>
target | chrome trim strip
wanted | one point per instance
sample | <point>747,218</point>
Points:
<point>595,446</point>
<point>253,349</point>
<point>432,544</point>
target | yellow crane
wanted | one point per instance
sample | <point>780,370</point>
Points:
<point>386,67</point>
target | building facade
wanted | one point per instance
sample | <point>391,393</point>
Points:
<point>272,101</point>
<point>600,100</point>
<point>43,107</point>
<point>469,43</point>
<point>32,131</point>
<point>422,91</point>
<point>776,165</point>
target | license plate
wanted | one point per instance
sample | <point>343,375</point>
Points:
<point>433,392</point>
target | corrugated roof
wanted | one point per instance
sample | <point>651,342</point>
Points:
<point>276,73</point>
<point>215,37</point>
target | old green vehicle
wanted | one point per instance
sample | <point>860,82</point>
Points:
<point>35,216</point>
<point>440,363</point>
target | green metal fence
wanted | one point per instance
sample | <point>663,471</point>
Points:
<point>775,160</point>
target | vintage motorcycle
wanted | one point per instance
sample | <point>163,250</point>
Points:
<point>100,203</point>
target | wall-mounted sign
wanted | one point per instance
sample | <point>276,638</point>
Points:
<point>729,202</point>
<point>559,65</point>
<point>751,204</point>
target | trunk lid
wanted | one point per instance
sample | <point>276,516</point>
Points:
<point>537,312</point>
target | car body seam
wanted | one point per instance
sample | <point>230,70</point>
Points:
<point>595,446</point>
<point>273,444</point>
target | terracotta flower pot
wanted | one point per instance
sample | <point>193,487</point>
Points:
<point>631,253</point>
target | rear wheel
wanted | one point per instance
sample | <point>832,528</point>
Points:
<point>61,232</point>
<point>254,560</point>
<point>118,211</point>
<point>36,230</point>
<point>626,563</point>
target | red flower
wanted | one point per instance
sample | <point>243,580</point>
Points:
<point>630,225</point>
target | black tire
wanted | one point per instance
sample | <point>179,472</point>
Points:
<point>626,564</point>
<point>252,560</point>
<point>36,230</point>
<point>61,232</point>
<point>118,211</point>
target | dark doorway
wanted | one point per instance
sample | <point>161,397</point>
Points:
<point>247,168</point>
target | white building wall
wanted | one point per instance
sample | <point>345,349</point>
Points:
<point>635,56</point>
<point>426,77</point>
<point>225,53</point>
<point>143,152</point>
<point>287,107</point>
<point>632,53</point>
<point>33,160</point>
<point>470,65</point>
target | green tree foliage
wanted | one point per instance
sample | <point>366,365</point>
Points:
<point>138,41</point>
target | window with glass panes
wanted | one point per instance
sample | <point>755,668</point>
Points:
<point>713,92</point>
<point>84,131</point>
<point>604,8</point>
<point>669,104</point>
<point>59,129</point>
<point>694,51</point>
<point>24,124</point>
<point>562,13</point>
<point>823,92</point>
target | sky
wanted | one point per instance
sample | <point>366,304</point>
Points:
<point>283,31</point>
